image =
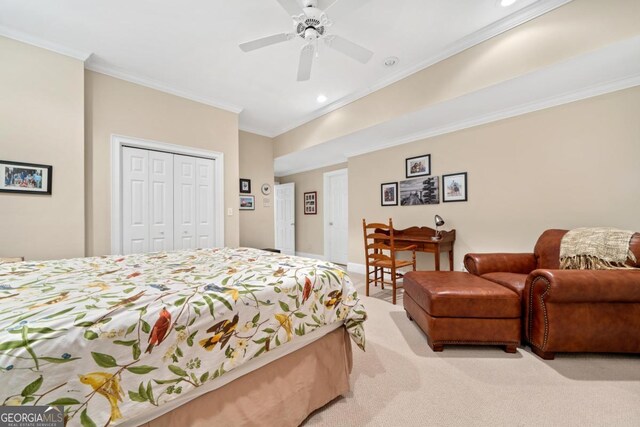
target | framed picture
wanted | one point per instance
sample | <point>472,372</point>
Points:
<point>419,191</point>
<point>454,187</point>
<point>247,203</point>
<point>245,185</point>
<point>418,166</point>
<point>310,203</point>
<point>25,177</point>
<point>389,194</point>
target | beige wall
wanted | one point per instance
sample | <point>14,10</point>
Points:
<point>575,28</point>
<point>256,164</point>
<point>41,121</point>
<point>115,106</point>
<point>569,166</point>
<point>310,228</point>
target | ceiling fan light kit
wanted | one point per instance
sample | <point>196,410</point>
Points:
<point>310,23</point>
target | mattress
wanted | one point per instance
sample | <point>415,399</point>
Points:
<point>121,340</point>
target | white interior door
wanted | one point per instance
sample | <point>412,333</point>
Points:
<point>205,215</point>
<point>285,218</point>
<point>135,200</point>
<point>184,212</point>
<point>160,201</point>
<point>336,216</point>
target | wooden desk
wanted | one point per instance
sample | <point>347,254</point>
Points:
<point>421,237</point>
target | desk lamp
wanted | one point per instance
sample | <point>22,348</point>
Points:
<point>439,223</point>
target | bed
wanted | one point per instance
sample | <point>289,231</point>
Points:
<point>224,336</point>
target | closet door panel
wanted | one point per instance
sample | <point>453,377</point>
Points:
<point>204,202</point>
<point>160,201</point>
<point>135,200</point>
<point>184,188</point>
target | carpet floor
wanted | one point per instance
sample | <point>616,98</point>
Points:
<point>399,381</point>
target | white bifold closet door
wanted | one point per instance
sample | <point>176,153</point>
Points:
<point>167,201</point>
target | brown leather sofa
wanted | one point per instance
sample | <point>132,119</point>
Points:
<point>568,310</point>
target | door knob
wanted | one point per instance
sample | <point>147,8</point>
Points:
<point>330,223</point>
<point>161,233</point>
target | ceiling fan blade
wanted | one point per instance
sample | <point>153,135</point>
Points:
<point>349,48</point>
<point>291,7</point>
<point>265,41</point>
<point>306,61</point>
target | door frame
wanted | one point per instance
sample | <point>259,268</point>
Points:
<point>325,210</point>
<point>118,141</point>
<point>275,216</point>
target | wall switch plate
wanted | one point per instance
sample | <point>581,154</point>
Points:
<point>230,212</point>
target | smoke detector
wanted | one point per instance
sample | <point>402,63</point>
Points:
<point>391,61</point>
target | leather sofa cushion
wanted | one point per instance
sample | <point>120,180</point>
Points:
<point>457,294</point>
<point>513,281</point>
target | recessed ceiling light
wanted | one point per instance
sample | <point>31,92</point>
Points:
<point>391,61</point>
<point>321,98</point>
<point>507,3</point>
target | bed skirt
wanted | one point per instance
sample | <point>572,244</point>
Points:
<point>282,393</point>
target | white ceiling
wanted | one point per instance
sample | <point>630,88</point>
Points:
<point>191,48</point>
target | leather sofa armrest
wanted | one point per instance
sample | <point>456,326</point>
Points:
<point>480,264</point>
<point>583,286</point>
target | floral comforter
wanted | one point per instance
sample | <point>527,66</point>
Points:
<point>109,338</point>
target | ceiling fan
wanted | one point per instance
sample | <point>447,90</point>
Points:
<point>310,23</point>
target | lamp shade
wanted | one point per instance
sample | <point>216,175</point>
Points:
<point>438,220</point>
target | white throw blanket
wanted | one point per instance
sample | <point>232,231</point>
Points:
<point>596,248</point>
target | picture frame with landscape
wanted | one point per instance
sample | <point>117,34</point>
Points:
<point>247,203</point>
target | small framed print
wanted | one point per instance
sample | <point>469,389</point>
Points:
<point>245,185</point>
<point>418,166</point>
<point>28,178</point>
<point>247,203</point>
<point>389,194</point>
<point>454,187</point>
<point>310,203</point>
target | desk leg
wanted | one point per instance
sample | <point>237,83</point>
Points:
<point>451,260</point>
<point>437,255</point>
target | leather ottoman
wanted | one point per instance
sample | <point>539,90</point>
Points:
<point>460,308</point>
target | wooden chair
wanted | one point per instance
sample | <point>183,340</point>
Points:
<point>380,253</point>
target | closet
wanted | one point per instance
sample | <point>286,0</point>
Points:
<point>167,201</point>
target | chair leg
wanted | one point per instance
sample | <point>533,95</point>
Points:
<point>367,280</point>
<point>382,278</point>
<point>393,282</point>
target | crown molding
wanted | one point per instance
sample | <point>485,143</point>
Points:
<point>44,44</point>
<point>154,84</point>
<point>553,101</point>
<point>257,131</point>
<point>518,110</point>
<point>501,26</point>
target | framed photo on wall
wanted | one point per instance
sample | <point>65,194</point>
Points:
<point>247,203</point>
<point>311,203</point>
<point>418,166</point>
<point>245,185</point>
<point>454,187</point>
<point>28,178</point>
<point>420,191</point>
<point>389,194</point>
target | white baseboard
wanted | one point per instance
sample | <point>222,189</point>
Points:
<point>312,256</point>
<point>352,267</point>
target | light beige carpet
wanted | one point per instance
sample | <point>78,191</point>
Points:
<point>399,381</point>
